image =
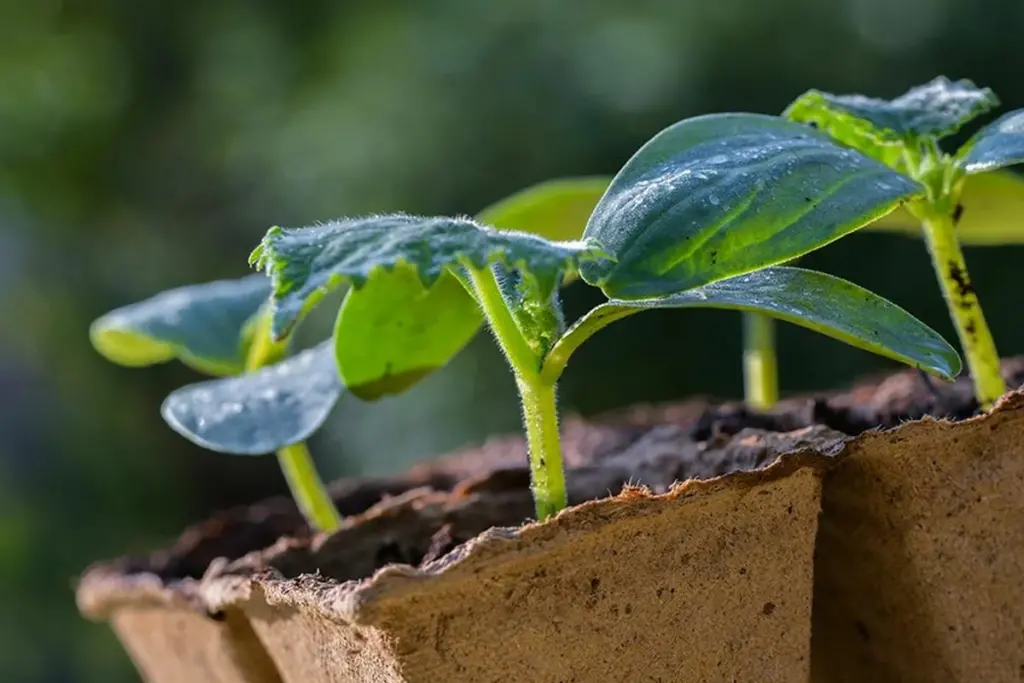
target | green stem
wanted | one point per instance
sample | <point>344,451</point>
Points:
<point>307,488</point>
<point>511,340</point>
<point>760,368</point>
<point>540,417</point>
<point>537,394</point>
<point>975,337</point>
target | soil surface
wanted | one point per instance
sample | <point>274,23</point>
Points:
<point>440,504</point>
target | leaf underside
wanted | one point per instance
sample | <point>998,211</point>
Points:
<point>304,263</point>
<point>207,326</point>
<point>717,196</point>
<point>933,110</point>
<point>393,332</point>
<point>992,212</point>
<point>998,145</point>
<point>820,302</point>
<point>258,412</point>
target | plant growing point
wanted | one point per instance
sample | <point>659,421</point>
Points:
<point>700,216</point>
<point>905,134</point>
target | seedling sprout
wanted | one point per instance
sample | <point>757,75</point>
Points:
<point>700,216</point>
<point>905,135</point>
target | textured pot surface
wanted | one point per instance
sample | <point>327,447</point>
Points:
<point>920,555</point>
<point>710,581</point>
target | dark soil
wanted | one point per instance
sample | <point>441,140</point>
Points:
<point>440,504</point>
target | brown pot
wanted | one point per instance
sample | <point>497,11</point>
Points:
<point>156,607</point>
<point>708,581</point>
<point>920,555</point>
<point>915,569</point>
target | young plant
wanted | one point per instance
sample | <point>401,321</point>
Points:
<point>221,328</point>
<point>905,135</point>
<point>991,206</point>
<point>698,217</point>
<point>276,407</point>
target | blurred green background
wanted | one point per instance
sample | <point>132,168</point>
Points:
<point>147,145</point>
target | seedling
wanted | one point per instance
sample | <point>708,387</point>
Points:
<point>904,134</point>
<point>698,217</point>
<point>221,328</point>
<point>276,407</point>
<point>992,206</point>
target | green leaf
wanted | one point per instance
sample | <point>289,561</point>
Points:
<point>819,302</point>
<point>261,411</point>
<point>393,332</point>
<point>717,196</point>
<point>555,209</point>
<point>992,215</point>
<point>934,110</point>
<point>207,326</point>
<point>305,263</point>
<point>997,145</point>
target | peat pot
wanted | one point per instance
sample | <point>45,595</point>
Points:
<point>906,530</point>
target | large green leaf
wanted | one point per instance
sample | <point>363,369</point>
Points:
<point>934,110</point>
<point>207,326</point>
<point>717,196</point>
<point>997,145</point>
<point>261,411</point>
<point>393,332</point>
<point>817,301</point>
<point>992,215</point>
<point>304,263</point>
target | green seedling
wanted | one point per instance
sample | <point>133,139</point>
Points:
<point>275,407</point>
<point>992,204</point>
<point>905,135</point>
<point>222,328</point>
<point>698,217</point>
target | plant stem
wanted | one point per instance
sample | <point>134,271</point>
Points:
<point>975,337</point>
<point>536,393</point>
<point>760,368</point>
<point>307,488</point>
<point>511,340</point>
<point>540,417</point>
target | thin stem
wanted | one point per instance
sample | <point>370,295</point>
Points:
<point>975,337</point>
<point>540,417</point>
<point>540,409</point>
<point>307,488</point>
<point>760,368</point>
<point>511,340</point>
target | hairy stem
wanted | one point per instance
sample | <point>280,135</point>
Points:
<point>511,340</point>
<point>760,368</point>
<point>307,488</point>
<point>975,339</point>
<point>540,417</point>
<point>537,394</point>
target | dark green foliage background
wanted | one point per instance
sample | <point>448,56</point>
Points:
<point>148,145</point>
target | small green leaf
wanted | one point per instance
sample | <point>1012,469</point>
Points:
<point>934,110</point>
<point>997,145</point>
<point>207,326</point>
<point>258,412</point>
<point>717,196</point>
<point>822,303</point>
<point>992,213</point>
<point>394,331</point>
<point>305,263</point>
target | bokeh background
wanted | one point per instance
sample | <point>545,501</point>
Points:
<point>148,145</point>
